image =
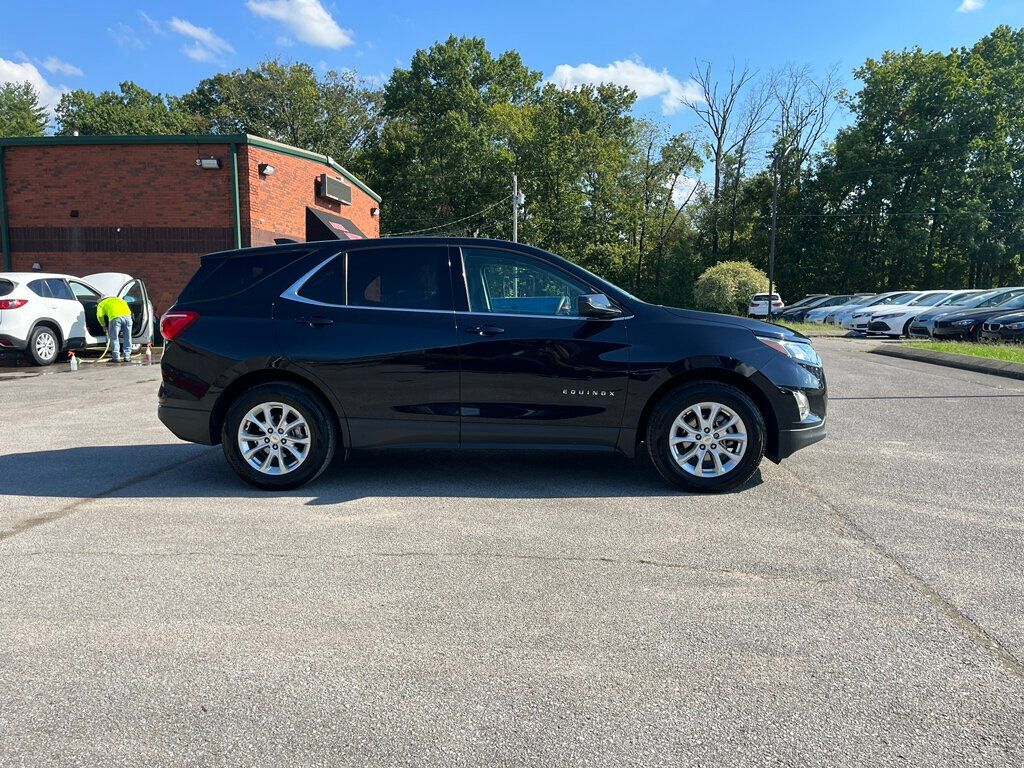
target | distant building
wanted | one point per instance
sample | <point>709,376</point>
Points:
<point>152,205</point>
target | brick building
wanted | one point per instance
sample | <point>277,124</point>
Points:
<point>152,205</point>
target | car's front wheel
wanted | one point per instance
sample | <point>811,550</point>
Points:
<point>278,436</point>
<point>706,437</point>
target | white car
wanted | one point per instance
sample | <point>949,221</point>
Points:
<point>45,314</point>
<point>851,317</point>
<point>820,313</point>
<point>758,306</point>
<point>895,321</point>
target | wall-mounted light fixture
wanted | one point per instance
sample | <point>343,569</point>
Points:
<point>208,163</point>
<point>375,211</point>
<point>266,169</point>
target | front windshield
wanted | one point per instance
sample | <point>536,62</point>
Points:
<point>928,301</point>
<point>899,298</point>
<point>1016,303</point>
<point>958,299</point>
<point>1000,298</point>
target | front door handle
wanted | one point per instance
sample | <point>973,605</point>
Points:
<point>485,330</point>
<point>314,322</point>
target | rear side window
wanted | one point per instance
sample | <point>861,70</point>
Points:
<point>40,288</point>
<point>223,276</point>
<point>6,286</point>
<point>60,290</point>
<point>399,278</point>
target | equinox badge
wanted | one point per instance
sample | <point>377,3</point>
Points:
<point>592,392</point>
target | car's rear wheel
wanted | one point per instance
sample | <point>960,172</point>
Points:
<point>278,436</point>
<point>706,437</point>
<point>43,345</point>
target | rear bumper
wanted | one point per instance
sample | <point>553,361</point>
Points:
<point>186,423</point>
<point>7,341</point>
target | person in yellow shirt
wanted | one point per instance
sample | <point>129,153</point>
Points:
<point>115,315</point>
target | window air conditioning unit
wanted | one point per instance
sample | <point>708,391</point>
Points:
<point>334,189</point>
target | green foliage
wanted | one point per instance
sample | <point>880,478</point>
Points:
<point>133,110</point>
<point>728,286</point>
<point>332,115</point>
<point>21,114</point>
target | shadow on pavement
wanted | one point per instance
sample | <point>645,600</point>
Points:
<point>187,471</point>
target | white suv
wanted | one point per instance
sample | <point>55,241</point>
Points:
<point>47,314</point>
<point>759,305</point>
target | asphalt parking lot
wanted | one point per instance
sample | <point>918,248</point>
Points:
<point>862,604</point>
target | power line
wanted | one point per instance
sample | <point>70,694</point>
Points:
<point>450,223</point>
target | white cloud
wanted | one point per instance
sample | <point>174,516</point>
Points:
<point>126,37</point>
<point>53,64</point>
<point>969,6</point>
<point>152,23</point>
<point>206,45</point>
<point>685,189</point>
<point>307,20</point>
<point>645,81</point>
<point>15,72</point>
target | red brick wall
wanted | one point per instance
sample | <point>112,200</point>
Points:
<point>294,182</point>
<point>147,210</point>
<point>142,185</point>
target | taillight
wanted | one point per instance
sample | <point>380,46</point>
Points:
<point>753,303</point>
<point>12,303</point>
<point>776,303</point>
<point>174,323</point>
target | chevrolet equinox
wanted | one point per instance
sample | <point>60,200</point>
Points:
<point>288,354</point>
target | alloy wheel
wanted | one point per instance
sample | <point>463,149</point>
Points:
<point>46,346</point>
<point>274,438</point>
<point>708,439</point>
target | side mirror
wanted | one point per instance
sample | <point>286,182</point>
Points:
<point>597,306</point>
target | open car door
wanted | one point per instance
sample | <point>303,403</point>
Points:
<point>135,295</point>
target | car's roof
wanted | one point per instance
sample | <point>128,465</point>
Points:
<point>481,242</point>
<point>33,275</point>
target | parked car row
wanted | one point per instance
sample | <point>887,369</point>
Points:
<point>995,314</point>
<point>44,315</point>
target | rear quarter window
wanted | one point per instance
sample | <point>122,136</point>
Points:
<point>224,276</point>
<point>6,286</point>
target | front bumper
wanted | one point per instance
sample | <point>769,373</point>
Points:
<point>883,327</point>
<point>792,440</point>
<point>953,331</point>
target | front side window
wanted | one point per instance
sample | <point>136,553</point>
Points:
<point>507,283</point>
<point>82,291</point>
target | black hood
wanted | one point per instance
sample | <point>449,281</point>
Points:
<point>1014,316</point>
<point>758,327</point>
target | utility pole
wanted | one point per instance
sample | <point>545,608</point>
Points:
<point>515,208</point>
<point>779,159</point>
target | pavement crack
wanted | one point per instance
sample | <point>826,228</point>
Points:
<point>52,515</point>
<point>735,573</point>
<point>974,631</point>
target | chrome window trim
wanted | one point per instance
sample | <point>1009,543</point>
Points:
<point>292,293</point>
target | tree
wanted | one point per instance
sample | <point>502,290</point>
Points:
<point>728,286</point>
<point>21,114</point>
<point>333,115</point>
<point>133,110</point>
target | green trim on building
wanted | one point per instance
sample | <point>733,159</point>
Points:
<point>236,205</point>
<point>5,223</point>
<point>205,138</point>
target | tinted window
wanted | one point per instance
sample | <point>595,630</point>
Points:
<point>221,276</point>
<point>399,278</point>
<point>6,286</point>
<point>59,289</point>
<point>512,284</point>
<point>40,288</point>
<point>328,284</point>
<point>82,291</point>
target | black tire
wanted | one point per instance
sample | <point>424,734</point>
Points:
<point>321,428</point>
<point>906,328</point>
<point>43,345</point>
<point>659,427</point>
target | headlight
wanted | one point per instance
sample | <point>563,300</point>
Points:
<point>889,316</point>
<point>963,322</point>
<point>1015,326</point>
<point>795,349</point>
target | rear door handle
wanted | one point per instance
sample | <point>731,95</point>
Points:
<point>314,322</point>
<point>485,330</point>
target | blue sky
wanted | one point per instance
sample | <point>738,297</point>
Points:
<point>169,46</point>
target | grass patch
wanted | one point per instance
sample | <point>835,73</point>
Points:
<point>1013,353</point>
<point>814,329</point>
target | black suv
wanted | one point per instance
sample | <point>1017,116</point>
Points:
<point>287,354</point>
